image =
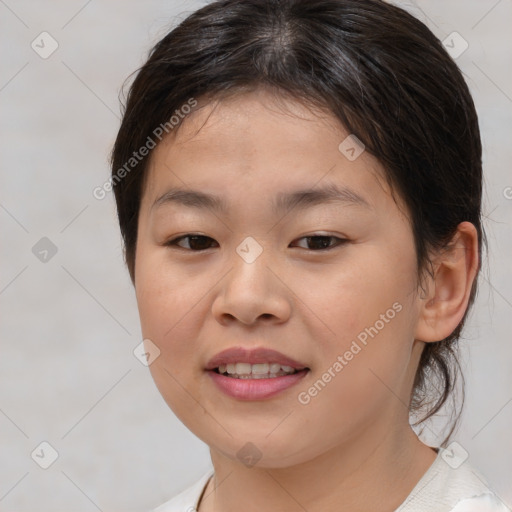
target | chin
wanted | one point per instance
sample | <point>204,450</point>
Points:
<point>260,451</point>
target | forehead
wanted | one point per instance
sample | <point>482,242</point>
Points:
<point>259,144</point>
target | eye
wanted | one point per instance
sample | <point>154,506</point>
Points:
<point>196,242</point>
<point>322,242</point>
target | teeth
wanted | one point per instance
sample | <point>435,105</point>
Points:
<point>255,371</point>
<point>259,369</point>
<point>275,367</point>
<point>243,368</point>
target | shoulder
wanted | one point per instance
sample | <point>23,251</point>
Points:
<point>487,502</point>
<point>187,500</point>
<point>451,484</point>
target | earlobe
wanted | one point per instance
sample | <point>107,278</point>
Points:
<point>444,305</point>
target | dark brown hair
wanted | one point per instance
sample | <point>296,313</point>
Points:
<point>375,67</point>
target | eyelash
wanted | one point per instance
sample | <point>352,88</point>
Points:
<point>173,242</point>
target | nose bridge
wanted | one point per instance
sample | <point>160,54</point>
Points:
<point>250,289</point>
<point>250,250</point>
<point>249,261</point>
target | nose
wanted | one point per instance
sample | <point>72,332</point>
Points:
<point>252,292</point>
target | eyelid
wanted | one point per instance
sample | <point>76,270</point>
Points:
<point>173,241</point>
<point>340,241</point>
<point>339,238</point>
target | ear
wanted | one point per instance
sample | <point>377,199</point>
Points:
<point>443,306</point>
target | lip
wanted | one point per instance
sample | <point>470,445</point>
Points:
<point>255,389</point>
<point>252,356</point>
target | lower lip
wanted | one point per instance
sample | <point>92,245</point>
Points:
<point>255,389</point>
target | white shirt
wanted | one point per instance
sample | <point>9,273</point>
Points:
<point>441,489</point>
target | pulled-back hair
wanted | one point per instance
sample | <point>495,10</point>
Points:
<point>377,69</point>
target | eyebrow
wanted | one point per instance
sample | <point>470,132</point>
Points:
<point>300,199</point>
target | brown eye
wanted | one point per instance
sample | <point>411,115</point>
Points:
<point>196,242</point>
<point>322,242</point>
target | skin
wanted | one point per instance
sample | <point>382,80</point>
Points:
<point>351,448</point>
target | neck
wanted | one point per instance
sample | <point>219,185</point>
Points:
<point>376,471</point>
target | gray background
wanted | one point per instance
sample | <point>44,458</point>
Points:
<point>69,325</point>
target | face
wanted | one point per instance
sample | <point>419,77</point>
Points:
<point>328,281</point>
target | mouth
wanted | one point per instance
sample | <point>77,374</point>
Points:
<point>255,374</point>
<point>242,361</point>
<point>256,371</point>
<point>260,386</point>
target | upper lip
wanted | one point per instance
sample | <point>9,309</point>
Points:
<point>252,356</point>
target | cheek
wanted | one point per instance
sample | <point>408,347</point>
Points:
<point>365,310</point>
<point>160,290</point>
<point>344,299</point>
<point>164,300</point>
<point>356,379</point>
<point>165,303</point>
